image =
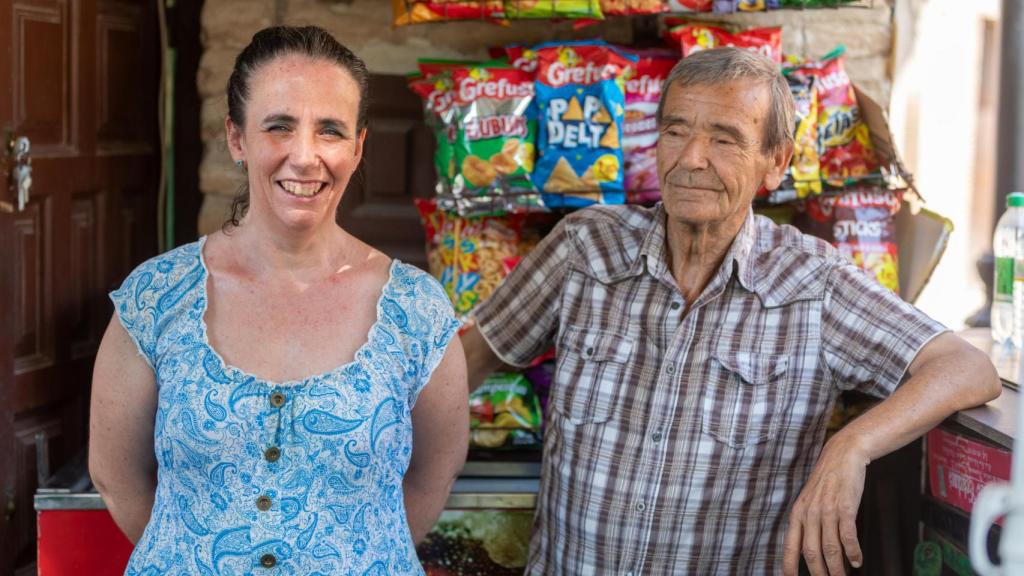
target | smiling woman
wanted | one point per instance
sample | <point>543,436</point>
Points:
<point>303,392</point>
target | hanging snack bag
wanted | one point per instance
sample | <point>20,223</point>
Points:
<point>813,3</point>
<point>633,7</point>
<point>843,137</point>
<point>694,38</point>
<point>419,11</point>
<point>494,142</point>
<point>522,57</point>
<point>860,223</point>
<point>689,5</point>
<point>432,219</point>
<point>468,255</point>
<point>640,125</point>
<point>438,95</point>
<point>575,9</point>
<point>581,103</point>
<point>504,413</point>
<point>731,6</point>
<point>805,168</point>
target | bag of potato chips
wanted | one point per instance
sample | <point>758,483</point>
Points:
<point>468,255</point>
<point>419,11</point>
<point>437,93</point>
<point>519,56</point>
<point>589,9</point>
<point>640,124</point>
<point>581,105</point>
<point>803,177</point>
<point>495,140</point>
<point>633,7</point>
<point>504,413</point>
<point>844,140</point>
<point>690,5</point>
<point>730,6</point>
<point>693,38</point>
<point>860,223</point>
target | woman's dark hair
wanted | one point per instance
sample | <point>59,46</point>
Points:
<point>271,43</point>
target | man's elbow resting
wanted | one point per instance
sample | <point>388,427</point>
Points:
<point>987,385</point>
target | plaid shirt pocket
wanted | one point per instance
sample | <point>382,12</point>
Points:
<point>745,397</point>
<point>592,365</point>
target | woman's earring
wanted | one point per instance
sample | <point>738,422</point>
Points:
<point>240,164</point>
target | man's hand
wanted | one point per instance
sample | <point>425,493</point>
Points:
<point>823,521</point>
<point>947,375</point>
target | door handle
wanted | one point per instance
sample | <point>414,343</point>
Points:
<point>19,149</point>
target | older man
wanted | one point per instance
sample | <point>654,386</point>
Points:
<point>700,352</point>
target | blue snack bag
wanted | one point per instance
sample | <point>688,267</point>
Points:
<point>581,102</point>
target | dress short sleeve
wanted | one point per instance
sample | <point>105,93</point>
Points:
<point>433,318</point>
<point>135,307</point>
<point>155,293</point>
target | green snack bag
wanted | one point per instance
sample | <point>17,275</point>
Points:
<point>437,92</point>
<point>494,140</point>
<point>504,413</point>
<point>590,9</point>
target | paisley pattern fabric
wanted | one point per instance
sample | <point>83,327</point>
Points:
<point>329,500</point>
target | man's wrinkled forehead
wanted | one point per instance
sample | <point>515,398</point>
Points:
<point>734,103</point>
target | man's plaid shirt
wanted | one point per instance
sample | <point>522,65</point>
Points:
<point>677,444</point>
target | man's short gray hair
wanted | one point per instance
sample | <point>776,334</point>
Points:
<point>720,65</point>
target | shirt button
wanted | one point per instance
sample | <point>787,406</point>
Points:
<point>656,436</point>
<point>670,369</point>
<point>263,503</point>
<point>589,352</point>
<point>277,399</point>
<point>676,305</point>
<point>272,454</point>
<point>640,506</point>
<point>268,560</point>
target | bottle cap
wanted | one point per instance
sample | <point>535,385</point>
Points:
<point>1015,199</point>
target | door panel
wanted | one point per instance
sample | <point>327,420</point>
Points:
<point>397,166</point>
<point>42,75</point>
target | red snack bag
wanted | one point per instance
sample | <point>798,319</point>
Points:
<point>630,7</point>
<point>417,12</point>
<point>690,5</point>
<point>521,57</point>
<point>438,94</point>
<point>693,38</point>
<point>843,138</point>
<point>860,223</point>
<point>640,126</point>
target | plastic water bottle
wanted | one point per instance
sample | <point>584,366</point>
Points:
<point>1008,290</point>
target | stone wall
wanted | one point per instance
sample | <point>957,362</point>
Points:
<point>365,27</point>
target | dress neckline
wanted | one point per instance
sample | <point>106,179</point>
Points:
<point>238,374</point>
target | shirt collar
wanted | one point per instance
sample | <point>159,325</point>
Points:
<point>740,257</point>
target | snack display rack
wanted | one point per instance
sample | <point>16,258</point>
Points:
<point>888,176</point>
<point>498,10</point>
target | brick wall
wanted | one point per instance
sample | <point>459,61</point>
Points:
<point>365,27</point>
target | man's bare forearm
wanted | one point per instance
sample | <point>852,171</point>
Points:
<point>481,361</point>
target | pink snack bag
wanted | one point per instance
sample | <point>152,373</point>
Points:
<point>640,125</point>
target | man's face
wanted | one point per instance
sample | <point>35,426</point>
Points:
<point>710,160</point>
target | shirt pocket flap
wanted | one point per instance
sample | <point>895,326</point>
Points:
<point>751,367</point>
<point>598,345</point>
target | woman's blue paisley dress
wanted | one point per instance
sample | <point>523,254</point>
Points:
<point>328,500</point>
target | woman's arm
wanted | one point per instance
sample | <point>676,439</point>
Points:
<point>121,459</point>
<point>440,428</point>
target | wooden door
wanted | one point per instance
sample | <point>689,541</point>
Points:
<point>79,79</point>
<point>397,166</point>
